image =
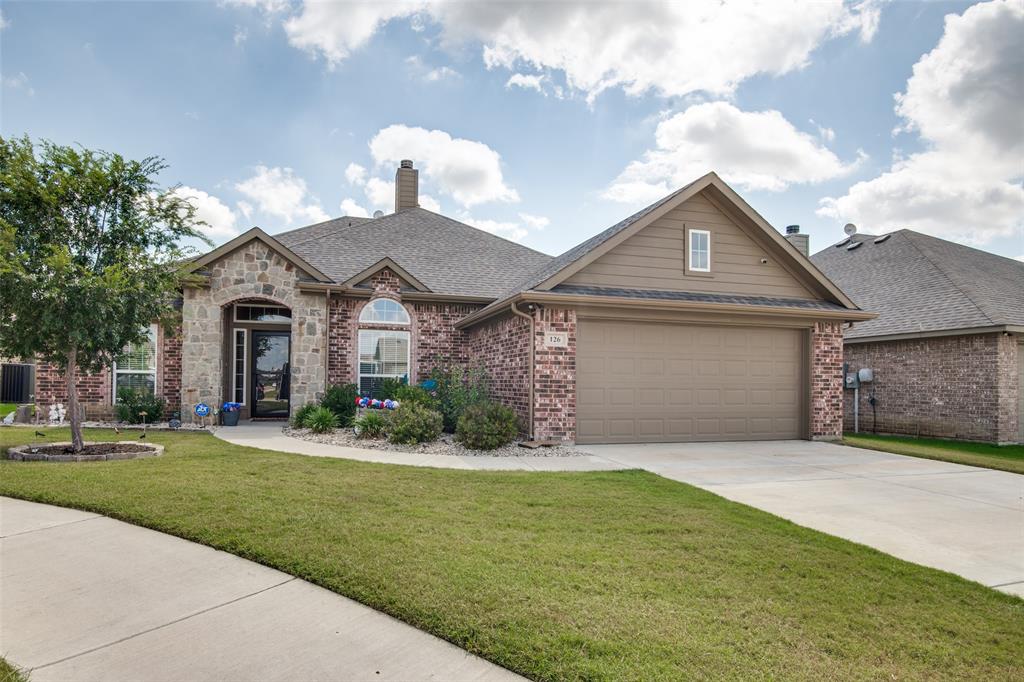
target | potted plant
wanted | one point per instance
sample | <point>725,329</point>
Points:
<point>229,413</point>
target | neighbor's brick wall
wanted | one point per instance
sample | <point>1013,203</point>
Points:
<point>501,345</point>
<point>554,394</point>
<point>948,387</point>
<point>826,418</point>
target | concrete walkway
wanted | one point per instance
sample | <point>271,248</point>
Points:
<point>962,519</point>
<point>84,597</point>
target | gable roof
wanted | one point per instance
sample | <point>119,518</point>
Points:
<point>549,276</point>
<point>259,235</point>
<point>385,263</point>
<point>920,284</point>
<point>443,255</point>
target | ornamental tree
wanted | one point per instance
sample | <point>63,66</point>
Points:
<point>91,253</point>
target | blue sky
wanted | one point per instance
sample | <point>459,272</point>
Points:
<point>274,113</point>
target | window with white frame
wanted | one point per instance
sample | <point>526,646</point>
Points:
<point>700,251</point>
<point>238,366</point>
<point>249,312</point>
<point>383,354</point>
<point>135,367</point>
<point>384,311</point>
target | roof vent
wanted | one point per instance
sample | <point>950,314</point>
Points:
<point>792,229</point>
<point>406,163</point>
<point>883,238</point>
<point>853,246</point>
<point>844,242</point>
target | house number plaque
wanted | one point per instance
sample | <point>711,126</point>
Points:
<point>556,340</point>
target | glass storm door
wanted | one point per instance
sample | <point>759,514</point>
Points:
<point>271,375</point>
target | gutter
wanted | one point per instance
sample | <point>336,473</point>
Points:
<point>938,333</point>
<point>321,287</point>
<point>533,344</point>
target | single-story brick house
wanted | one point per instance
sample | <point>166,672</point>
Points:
<point>692,319</point>
<point>946,348</point>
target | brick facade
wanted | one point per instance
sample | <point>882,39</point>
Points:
<point>554,393</point>
<point>962,387</point>
<point>501,345</point>
<point>826,417</point>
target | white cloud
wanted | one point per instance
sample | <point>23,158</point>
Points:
<point>279,192</point>
<point>4,22</point>
<point>219,218</point>
<point>536,222</point>
<point>671,48</point>
<point>512,231</point>
<point>380,193</point>
<point>964,100</point>
<point>526,81</point>
<point>429,74</point>
<point>466,170</point>
<point>19,81</point>
<point>268,6</point>
<point>241,35</point>
<point>350,207</point>
<point>430,203</point>
<point>442,73</point>
<point>355,174</point>
<point>756,150</point>
<point>245,208</point>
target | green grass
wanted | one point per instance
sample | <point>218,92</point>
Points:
<point>5,409</point>
<point>1002,457</point>
<point>605,575</point>
<point>9,673</point>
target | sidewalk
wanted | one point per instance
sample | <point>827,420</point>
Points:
<point>85,598</point>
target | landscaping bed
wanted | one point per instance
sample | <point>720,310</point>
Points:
<point>559,576</point>
<point>444,445</point>
<point>90,452</point>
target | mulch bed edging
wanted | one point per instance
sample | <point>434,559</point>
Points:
<point>92,452</point>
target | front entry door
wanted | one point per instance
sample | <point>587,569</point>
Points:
<point>271,374</point>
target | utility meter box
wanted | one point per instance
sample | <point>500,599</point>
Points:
<point>866,375</point>
<point>852,381</point>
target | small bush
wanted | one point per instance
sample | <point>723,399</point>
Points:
<point>301,414</point>
<point>371,424</point>
<point>414,423</point>
<point>389,388</point>
<point>486,426</point>
<point>341,400</point>
<point>321,420</point>
<point>131,404</point>
<point>457,389</point>
<point>416,394</point>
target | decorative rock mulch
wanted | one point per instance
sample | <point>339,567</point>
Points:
<point>445,445</point>
<point>91,452</point>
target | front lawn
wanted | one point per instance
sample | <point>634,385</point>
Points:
<point>606,575</point>
<point>8,673</point>
<point>1002,457</point>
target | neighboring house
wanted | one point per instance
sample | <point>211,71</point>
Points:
<point>691,320</point>
<point>946,346</point>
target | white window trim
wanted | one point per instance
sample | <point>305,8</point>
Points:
<point>155,331</point>
<point>359,353</point>
<point>369,306</point>
<point>689,250</point>
<point>260,305</point>
<point>234,364</point>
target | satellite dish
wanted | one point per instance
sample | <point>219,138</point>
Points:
<point>850,229</point>
<point>378,213</point>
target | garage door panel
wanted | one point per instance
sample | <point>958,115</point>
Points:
<point>650,382</point>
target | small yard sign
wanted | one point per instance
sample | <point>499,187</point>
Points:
<point>556,340</point>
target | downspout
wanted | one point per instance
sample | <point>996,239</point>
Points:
<point>533,341</point>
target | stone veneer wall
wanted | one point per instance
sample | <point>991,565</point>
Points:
<point>501,345</point>
<point>554,393</point>
<point>826,418</point>
<point>949,387</point>
<point>252,271</point>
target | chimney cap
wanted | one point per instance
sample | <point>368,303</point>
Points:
<point>405,163</point>
<point>792,229</point>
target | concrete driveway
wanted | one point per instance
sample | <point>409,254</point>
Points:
<point>84,597</point>
<point>961,519</point>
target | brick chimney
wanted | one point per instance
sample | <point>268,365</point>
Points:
<point>802,242</point>
<point>407,186</point>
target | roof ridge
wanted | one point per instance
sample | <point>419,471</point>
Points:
<point>943,272</point>
<point>490,234</point>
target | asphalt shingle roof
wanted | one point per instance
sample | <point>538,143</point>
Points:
<point>447,256</point>
<point>917,283</point>
<point>768,301</point>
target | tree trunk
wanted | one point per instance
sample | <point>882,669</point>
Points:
<point>75,416</point>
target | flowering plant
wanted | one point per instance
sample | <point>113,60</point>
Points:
<point>231,407</point>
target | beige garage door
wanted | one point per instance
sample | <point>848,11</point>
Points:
<point>649,382</point>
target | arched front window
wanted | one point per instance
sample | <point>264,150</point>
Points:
<point>384,311</point>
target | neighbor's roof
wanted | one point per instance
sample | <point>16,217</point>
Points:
<point>920,284</point>
<point>447,256</point>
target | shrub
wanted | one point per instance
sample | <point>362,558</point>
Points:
<point>457,389</point>
<point>301,414</point>
<point>416,394</point>
<point>486,426</point>
<point>389,388</point>
<point>372,424</point>
<point>321,420</point>
<point>341,400</point>
<point>414,423</point>
<point>131,404</point>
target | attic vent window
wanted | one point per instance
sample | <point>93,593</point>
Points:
<point>883,238</point>
<point>853,246</point>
